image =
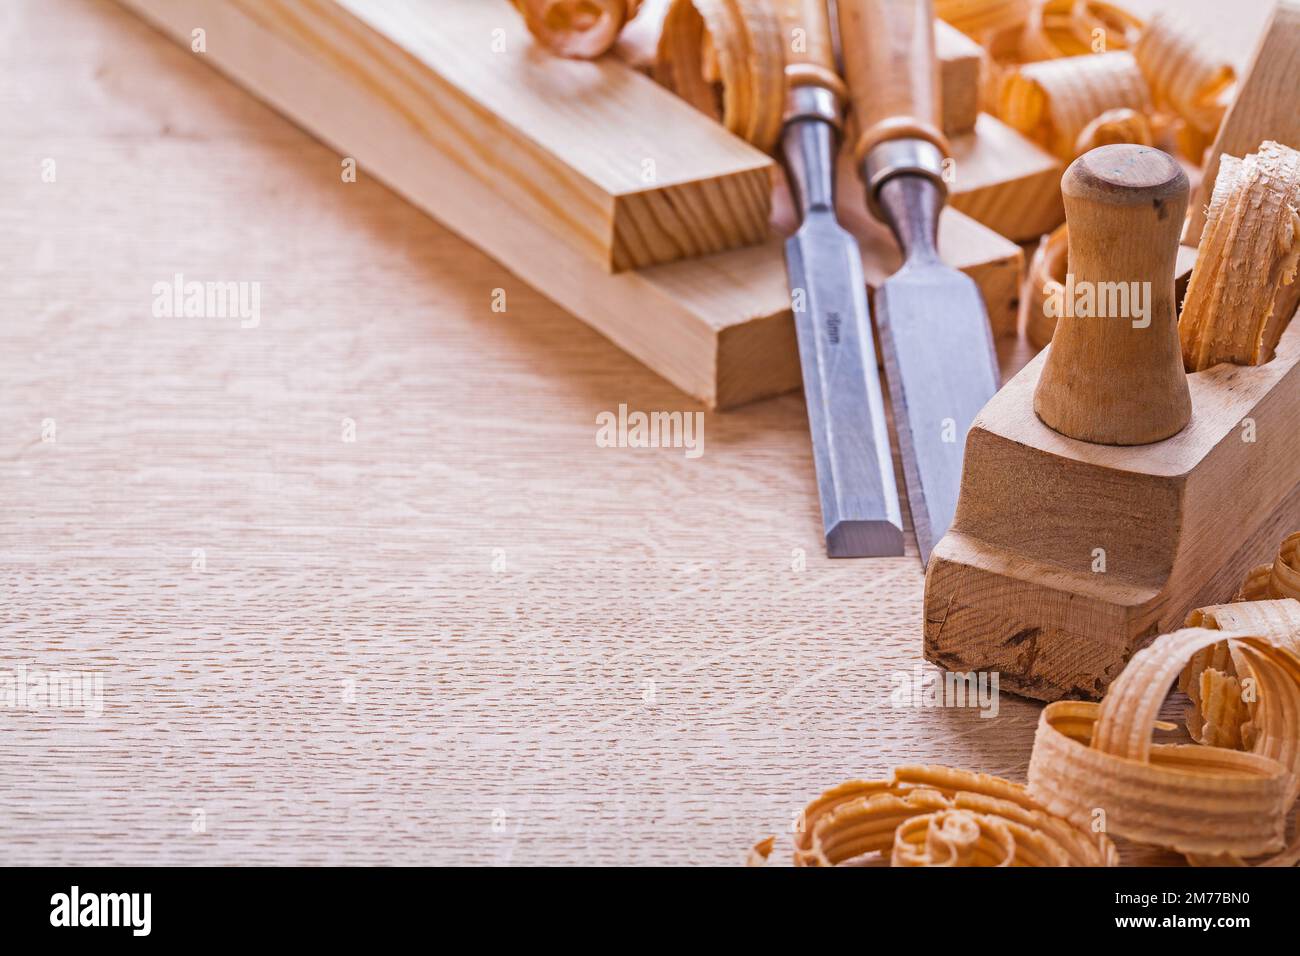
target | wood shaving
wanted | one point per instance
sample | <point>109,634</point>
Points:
<point>1095,771</point>
<point>1210,803</point>
<point>1047,274</point>
<point>1115,126</point>
<point>736,45</point>
<point>1224,720</point>
<point>1281,579</point>
<point>1243,292</point>
<point>982,19</point>
<point>937,816</point>
<point>1053,102</point>
<point>760,851</point>
<point>1186,77</point>
<point>583,29</point>
<point>1183,96</point>
<point>1060,28</point>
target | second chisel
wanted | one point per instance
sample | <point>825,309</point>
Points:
<point>934,330</point>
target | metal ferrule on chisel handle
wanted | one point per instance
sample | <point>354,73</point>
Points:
<point>901,157</point>
<point>810,140</point>
<point>810,102</point>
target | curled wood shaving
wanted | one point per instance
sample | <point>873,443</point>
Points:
<point>1211,803</point>
<point>760,851</point>
<point>1185,75</point>
<point>937,816</point>
<point>577,28</point>
<point>982,19</point>
<point>954,838</point>
<point>1054,102</point>
<point>1222,710</point>
<point>1243,291</point>
<point>1047,272</point>
<point>1188,86</point>
<point>1213,673</point>
<point>1115,126</point>
<point>1281,579</point>
<point>1050,30</point>
<point>737,44</point>
<point>1060,28</point>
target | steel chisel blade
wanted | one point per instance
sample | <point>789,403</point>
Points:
<point>942,368</point>
<point>861,513</point>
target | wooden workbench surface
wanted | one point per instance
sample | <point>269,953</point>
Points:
<point>468,636</point>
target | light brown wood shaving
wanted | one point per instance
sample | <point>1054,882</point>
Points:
<point>737,45</point>
<point>1186,76</point>
<point>1115,126</point>
<point>577,28</point>
<point>1220,665</point>
<point>1053,102</point>
<point>1187,86</point>
<point>1243,289</point>
<point>1060,28</point>
<point>1216,716</point>
<point>1052,29</point>
<point>1211,803</point>
<point>1047,274</point>
<point>1096,772</point>
<point>982,19</point>
<point>1281,579</point>
<point>760,851</point>
<point>937,816</point>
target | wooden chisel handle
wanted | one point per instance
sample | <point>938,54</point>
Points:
<point>893,76</point>
<point>809,55</point>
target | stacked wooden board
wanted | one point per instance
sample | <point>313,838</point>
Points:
<point>591,183</point>
<point>596,186</point>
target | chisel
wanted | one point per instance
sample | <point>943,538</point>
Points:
<point>861,514</point>
<point>934,332</point>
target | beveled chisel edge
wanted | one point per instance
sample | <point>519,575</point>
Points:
<point>864,539</point>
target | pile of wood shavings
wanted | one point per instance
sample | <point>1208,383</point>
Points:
<point>1096,774</point>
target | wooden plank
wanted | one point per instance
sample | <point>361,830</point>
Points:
<point>596,171</point>
<point>1264,108</point>
<point>718,327</point>
<point>1006,182</point>
<point>960,61</point>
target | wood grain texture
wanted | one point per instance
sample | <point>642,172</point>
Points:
<point>1005,181</point>
<point>517,697</point>
<point>495,716</point>
<point>468,76</point>
<point>960,61</point>
<point>809,22</point>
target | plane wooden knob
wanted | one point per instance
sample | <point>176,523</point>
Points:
<point>1114,373</point>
